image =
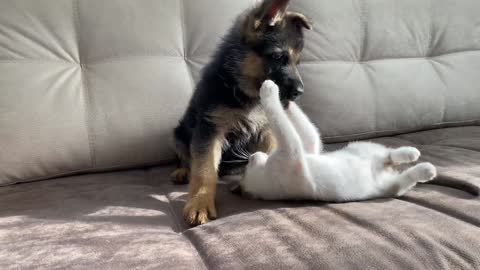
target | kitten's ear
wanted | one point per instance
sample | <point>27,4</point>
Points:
<point>271,12</point>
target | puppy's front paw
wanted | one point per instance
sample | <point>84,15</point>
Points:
<point>269,90</point>
<point>200,209</point>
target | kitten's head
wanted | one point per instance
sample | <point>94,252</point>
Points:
<point>256,160</point>
<point>255,167</point>
<point>254,173</point>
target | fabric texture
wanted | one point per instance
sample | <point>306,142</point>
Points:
<point>104,221</point>
<point>133,220</point>
<point>91,85</point>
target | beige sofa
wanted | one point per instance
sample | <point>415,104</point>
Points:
<point>90,91</point>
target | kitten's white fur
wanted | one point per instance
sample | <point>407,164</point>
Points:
<point>299,169</point>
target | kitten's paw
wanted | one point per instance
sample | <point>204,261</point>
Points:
<point>269,90</point>
<point>425,172</point>
<point>404,155</point>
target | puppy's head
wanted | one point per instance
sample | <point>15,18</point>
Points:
<point>275,39</point>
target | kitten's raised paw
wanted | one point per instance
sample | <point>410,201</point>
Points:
<point>426,172</point>
<point>406,154</point>
<point>269,89</point>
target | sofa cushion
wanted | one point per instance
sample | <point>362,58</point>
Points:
<point>105,221</point>
<point>89,85</point>
<point>133,220</point>
<point>99,85</point>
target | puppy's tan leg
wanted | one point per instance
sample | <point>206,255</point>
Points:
<point>203,182</point>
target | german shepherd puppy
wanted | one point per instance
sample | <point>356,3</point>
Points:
<point>224,121</point>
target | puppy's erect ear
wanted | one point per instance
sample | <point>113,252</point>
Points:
<point>271,12</point>
<point>300,19</point>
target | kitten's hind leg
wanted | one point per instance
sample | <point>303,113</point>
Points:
<point>403,155</point>
<point>288,160</point>
<point>310,135</point>
<point>288,140</point>
<point>420,173</point>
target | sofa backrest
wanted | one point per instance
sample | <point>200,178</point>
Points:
<point>89,85</point>
<point>383,67</point>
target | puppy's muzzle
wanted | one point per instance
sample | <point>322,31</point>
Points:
<point>296,91</point>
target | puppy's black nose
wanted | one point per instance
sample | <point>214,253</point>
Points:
<point>297,93</point>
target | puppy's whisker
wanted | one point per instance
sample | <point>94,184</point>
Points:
<point>241,156</point>
<point>240,153</point>
<point>235,161</point>
<point>246,154</point>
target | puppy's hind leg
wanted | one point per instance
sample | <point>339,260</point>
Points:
<point>181,174</point>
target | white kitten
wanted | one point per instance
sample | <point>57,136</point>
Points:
<point>299,169</point>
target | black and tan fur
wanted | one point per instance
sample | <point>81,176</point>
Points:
<point>224,118</point>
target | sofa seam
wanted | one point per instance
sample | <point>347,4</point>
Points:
<point>363,18</point>
<point>374,92</point>
<point>37,61</point>
<point>170,160</point>
<point>194,247</point>
<point>91,140</point>
<point>92,170</point>
<point>316,61</point>
<point>199,258</point>
<point>184,39</point>
<point>437,71</point>
<point>178,226</point>
<point>460,217</point>
<point>76,26</point>
<point>86,92</point>
<point>466,149</point>
<point>97,61</point>
<point>430,127</point>
<point>127,57</point>
<point>430,31</point>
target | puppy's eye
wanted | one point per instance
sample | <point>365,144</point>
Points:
<point>279,57</point>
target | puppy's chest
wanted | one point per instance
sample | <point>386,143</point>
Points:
<point>248,121</point>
